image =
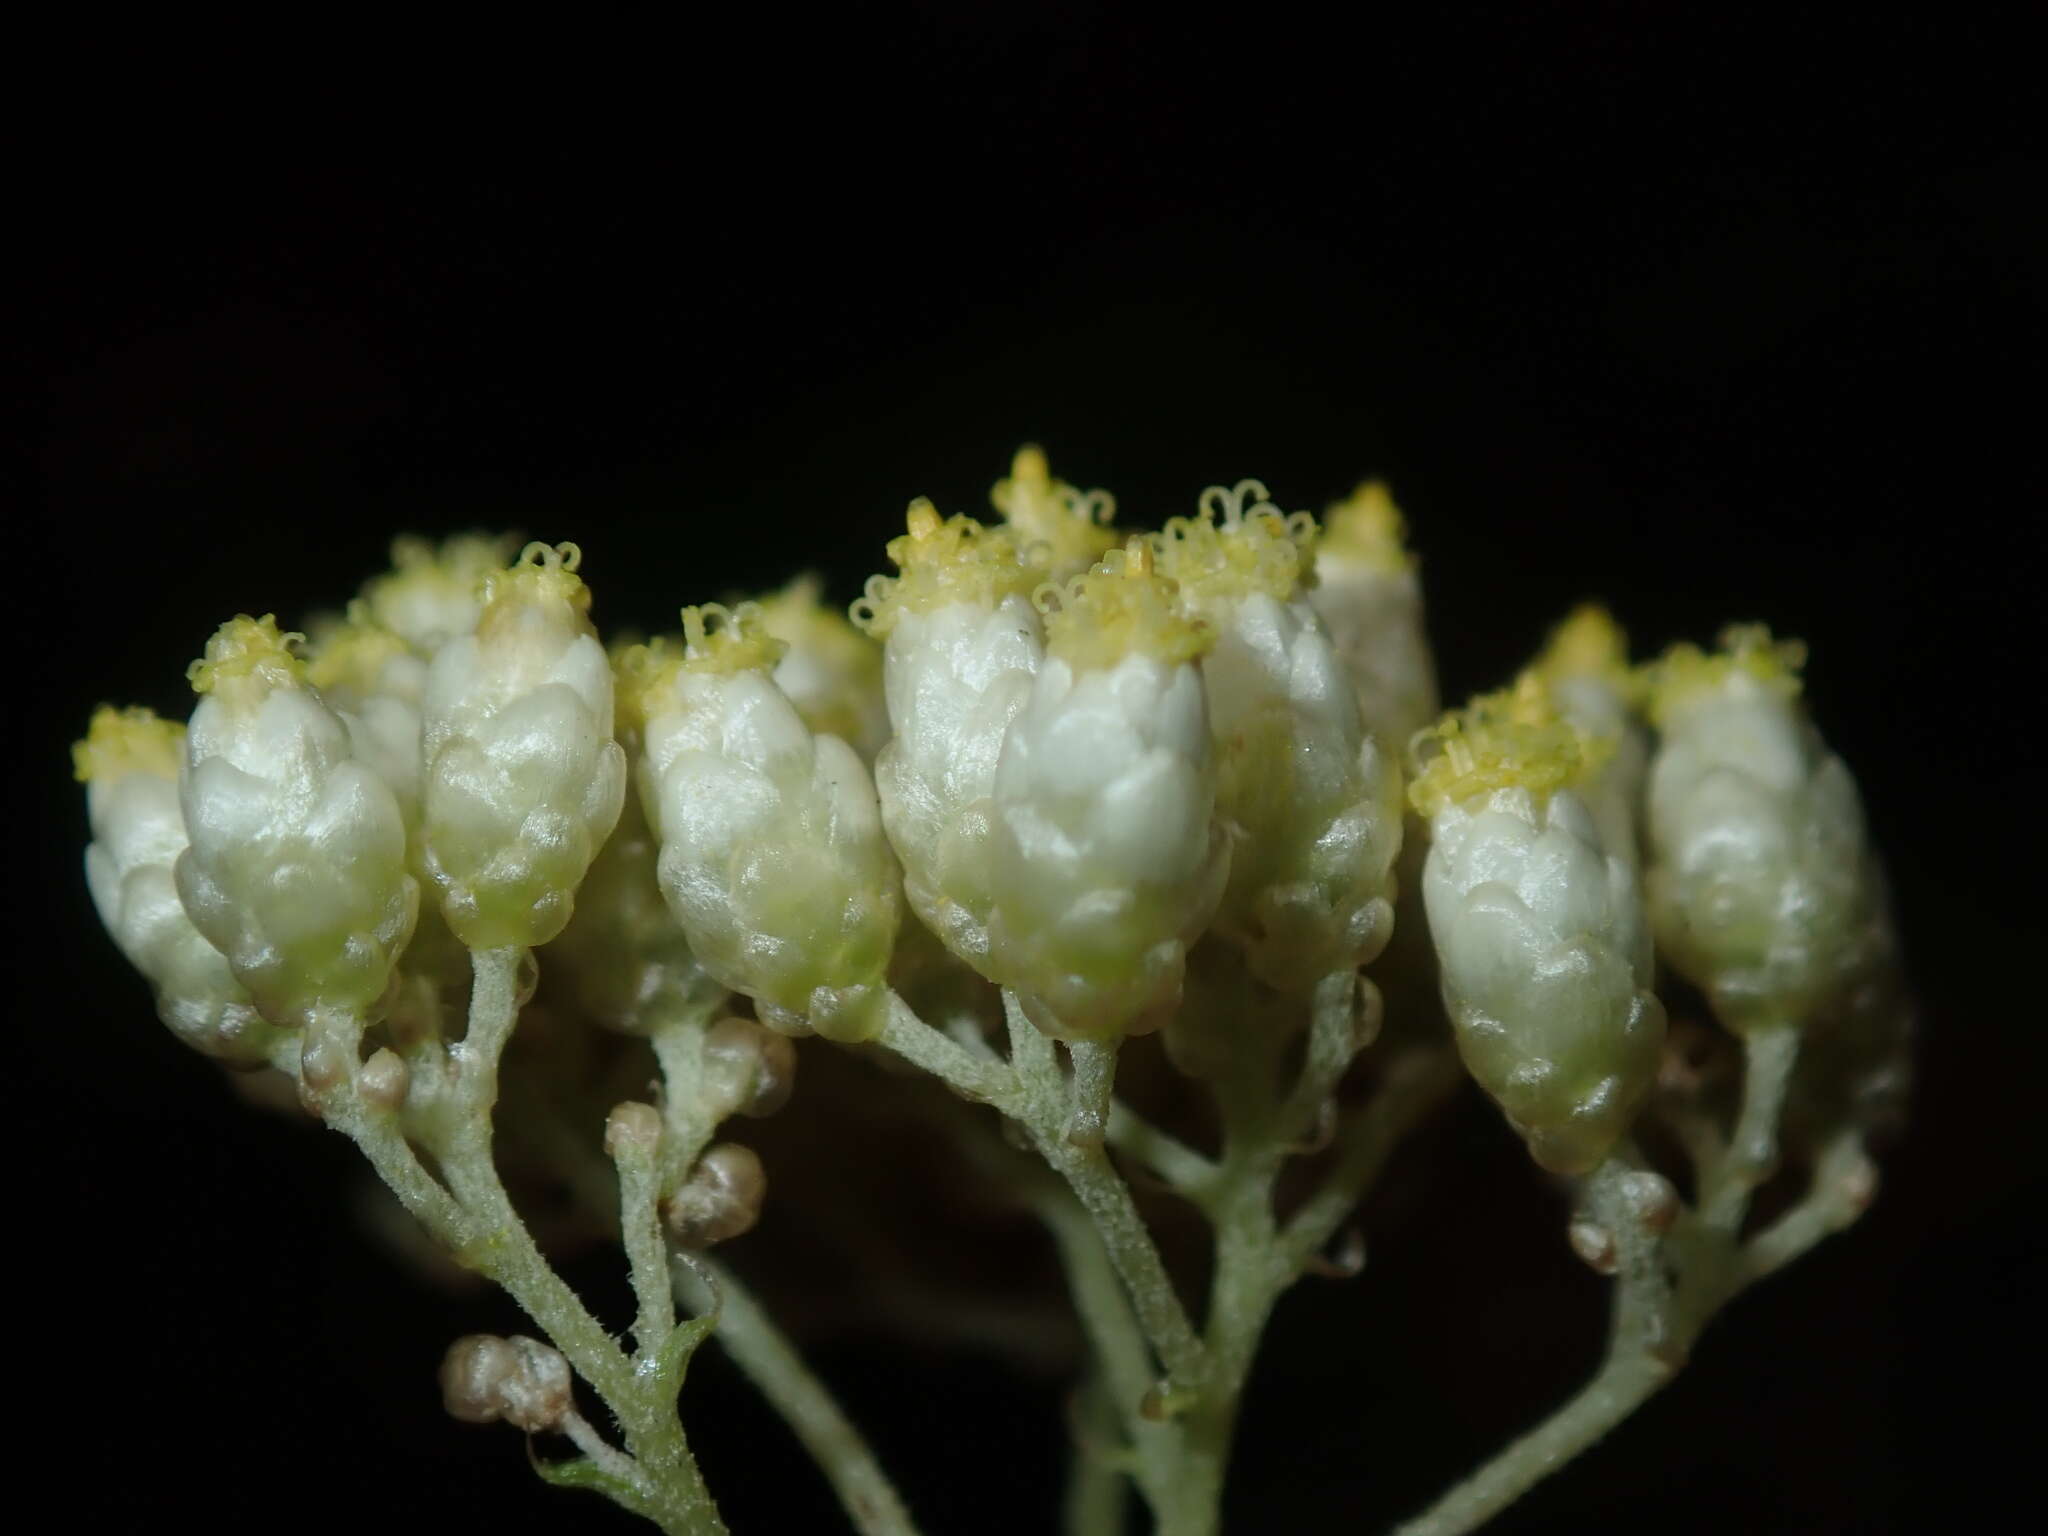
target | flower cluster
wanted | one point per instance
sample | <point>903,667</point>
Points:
<point>1072,780</point>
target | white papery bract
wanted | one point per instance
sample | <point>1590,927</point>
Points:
<point>1763,888</point>
<point>1311,799</point>
<point>523,781</point>
<point>772,853</point>
<point>961,643</point>
<point>1539,931</point>
<point>296,866</point>
<point>129,763</point>
<point>1108,861</point>
<point>1369,597</point>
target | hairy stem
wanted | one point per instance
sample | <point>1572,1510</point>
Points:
<point>773,1365</point>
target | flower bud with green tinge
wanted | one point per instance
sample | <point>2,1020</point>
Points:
<point>1539,929</point>
<point>772,852</point>
<point>129,764</point>
<point>1763,889</point>
<point>1312,800</point>
<point>523,780</point>
<point>961,642</point>
<point>1108,859</point>
<point>296,868</point>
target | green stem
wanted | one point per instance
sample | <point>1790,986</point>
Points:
<point>1752,1152</point>
<point>774,1366</point>
<point>643,1402</point>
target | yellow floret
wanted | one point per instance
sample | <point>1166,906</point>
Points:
<point>716,640</point>
<point>246,648</point>
<point>1072,524</point>
<point>543,576</point>
<point>1227,550</point>
<point>1747,650</point>
<point>351,655</point>
<point>944,561</point>
<point>1507,740</point>
<point>1120,607</point>
<point>1590,644</point>
<point>1368,527</point>
<point>124,741</point>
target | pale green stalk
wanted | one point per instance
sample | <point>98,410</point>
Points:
<point>773,1365</point>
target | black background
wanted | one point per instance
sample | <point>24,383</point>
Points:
<point>1710,319</point>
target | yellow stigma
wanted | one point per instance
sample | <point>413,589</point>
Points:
<point>1367,527</point>
<point>1747,651</point>
<point>248,649</point>
<point>429,576</point>
<point>1229,551</point>
<point>1120,607</point>
<point>943,561</point>
<point>124,741</point>
<point>350,657</point>
<point>1513,739</point>
<point>1072,524</point>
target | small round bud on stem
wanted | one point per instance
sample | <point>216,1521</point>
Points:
<point>633,1129</point>
<point>384,1079</point>
<point>749,1069</point>
<point>721,1200</point>
<point>524,1382</point>
<point>1595,1244</point>
<point>1651,1200</point>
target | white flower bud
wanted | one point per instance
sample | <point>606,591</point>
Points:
<point>1585,667</point>
<point>1368,596</point>
<point>129,764</point>
<point>1311,799</point>
<point>1071,528</point>
<point>296,869</point>
<point>524,1382</point>
<point>1539,929</point>
<point>523,780</point>
<point>772,853</point>
<point>830,670</point>
<point>961,643</point>
<point>433,595</point>
<point>1763,889</point>
<point>720,1200</point>
<point>1108,862</point>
